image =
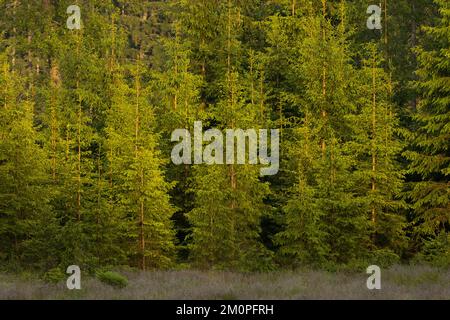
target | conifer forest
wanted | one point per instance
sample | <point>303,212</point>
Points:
<point>118,118</point>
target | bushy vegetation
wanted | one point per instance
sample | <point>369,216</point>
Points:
<point>113,279</point>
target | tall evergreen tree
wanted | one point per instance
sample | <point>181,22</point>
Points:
<point>229,200</point>
<point>138,185</point>
<point>429,154</point>
<point>24,188</point>
<point>324,222</point>
<point>378,177</point>
<point>176,95</point>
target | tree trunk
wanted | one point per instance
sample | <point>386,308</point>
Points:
<point>386,24</point>
<point>14,32</point>
<point>80,115</point>
<point>54,83</point>
<point>324,78</point>
<point>374,155</point>
<point>233,179</point>
<point>140,182</point>
<point>413,44</point>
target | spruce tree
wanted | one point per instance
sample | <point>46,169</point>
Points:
<point>176,96</point>
<point>24,189</point>
<point>229,199</point>
<point>429,153</point>
<point>378,175</point>
<point>324,223</point>
<point>139,190</point>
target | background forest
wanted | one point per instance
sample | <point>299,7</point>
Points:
<point>86,118</point>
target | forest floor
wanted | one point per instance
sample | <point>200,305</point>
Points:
<point>398,283</point>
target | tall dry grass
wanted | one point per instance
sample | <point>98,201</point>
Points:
<point>398,283</point>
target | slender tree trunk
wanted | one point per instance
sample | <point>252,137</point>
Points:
<point>252,75</point>
<point>389,115</point>
<point>374,137</point>
<point>203,73</point>
<point>175,97</point>
<point>233,178</point>
<point>79,158</point>
<point>261,93</point>
<point>324,77</point>
<point>14,32</point>
<point>141,224</point>
<point>99,202</point>
<point>140,186</point>
<point>413,44</point>
<point>203,63</point>
<point>67,153</point>
<point>5,74</point>
<point>386,23</point>
<point>54,83</point>
<point>187,115</point>
<point>111,67</point>
<point>29,54</point>
<point>80,119</point>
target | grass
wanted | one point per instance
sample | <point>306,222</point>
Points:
<point>398,283</point>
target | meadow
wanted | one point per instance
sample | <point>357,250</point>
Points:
<point>398,283</point>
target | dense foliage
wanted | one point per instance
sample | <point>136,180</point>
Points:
<point>86,118</point>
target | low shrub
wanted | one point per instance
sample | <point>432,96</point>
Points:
<point>113,279</point>
<point>54,275</point>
